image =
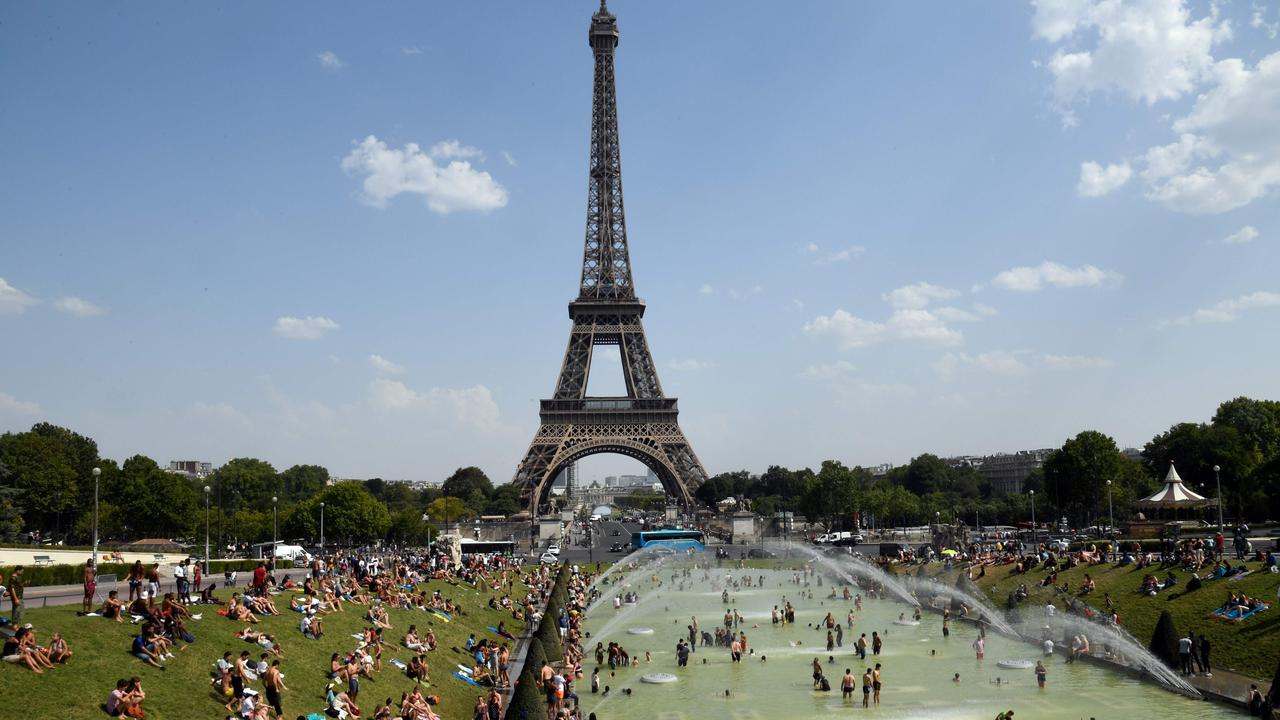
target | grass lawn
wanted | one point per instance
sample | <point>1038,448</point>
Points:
<point>184,691</point>
<point>1251,648</point>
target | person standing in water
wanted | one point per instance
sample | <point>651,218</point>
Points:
<point>946,623</point>
<point>846,685</point>
<point>866,688</point>
<point>1041,672</point>
<point>979,647</point>
<point>876,642</point>
<point>875,683</point>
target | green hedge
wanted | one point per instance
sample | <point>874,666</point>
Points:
<point>527,701</point>
<point>36,576</point>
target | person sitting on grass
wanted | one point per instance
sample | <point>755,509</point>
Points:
<point>310,626</point>
<point>14,652</point>
<point>238,612</point>
<point>145,651</point>
<point>341,705</point>
<point>40,652</point>
<point>126,699</point>
<point>112,608</point>
<point>58,650</point>
<point>418,670</point>
<point>411,640</point>
<point>207,596</point>
<point>378,616</point>
<point>414,705</point>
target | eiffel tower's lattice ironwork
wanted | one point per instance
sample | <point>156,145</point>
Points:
<point>643,424</point>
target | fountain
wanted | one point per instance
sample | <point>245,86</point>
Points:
<point>919,666</point>
<point>857,566</point>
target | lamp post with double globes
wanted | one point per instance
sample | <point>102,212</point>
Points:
<point>97,472</point>
<point>321,529</point>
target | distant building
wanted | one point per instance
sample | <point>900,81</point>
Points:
<point>191,468</point>
<point>415,484</point>
<point>1133,454</point>
<point>1005,471</point>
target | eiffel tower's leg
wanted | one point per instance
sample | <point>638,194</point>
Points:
<point>637,363</point>
<point>531,474</point>
<point>576,369</point>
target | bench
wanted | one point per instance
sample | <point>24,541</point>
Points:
<point>42,560</point>
<point>159,558</point>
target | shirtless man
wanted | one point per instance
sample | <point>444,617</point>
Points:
<point>875,684</point>
<point>112,608</point>
<point>866,688</point>
<point>274,683</point>
<point>90,584</point>
<point>846,684</point>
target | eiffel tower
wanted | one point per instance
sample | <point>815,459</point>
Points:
<point>642,425</point>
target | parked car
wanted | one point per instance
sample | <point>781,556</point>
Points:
<point>617,547</point>
<point>553,549</point>
<point>548,559</point>
<point>760,554</point>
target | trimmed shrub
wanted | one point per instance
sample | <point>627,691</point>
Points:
<point>1164,641</point>
<point>526,700</point>
<point>36,576</point>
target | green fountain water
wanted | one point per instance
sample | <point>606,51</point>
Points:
<point>774,681</point>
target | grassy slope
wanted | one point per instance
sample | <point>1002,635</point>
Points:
<point>183,690</point>
<point>1251,647</point>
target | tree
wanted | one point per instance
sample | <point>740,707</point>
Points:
<point>448,510</point>
<point>1257,421</point>
<point>831,498</point>
<point>1164,641</point>
<point>44,475</point>
<point>245,482</point>
<point>927,473</point>
<point>302,481</point>
<point>408,528</point>
<point>504,501</point>
<point>465,480</point>
<point>399,496</point>
<point>154,502</point>
<point>1076,474</point>
<point>1195,448</point>
<point>351,514</point>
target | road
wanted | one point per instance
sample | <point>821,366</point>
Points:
<point>602,536</point>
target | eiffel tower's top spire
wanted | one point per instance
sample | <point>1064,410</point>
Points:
<point>606,263</point>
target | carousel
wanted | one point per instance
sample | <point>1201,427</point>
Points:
<point>1165,510</point>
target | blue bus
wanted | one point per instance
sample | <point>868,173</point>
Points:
<point>674,539</point>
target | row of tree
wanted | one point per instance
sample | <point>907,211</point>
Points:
<point>47,486</point>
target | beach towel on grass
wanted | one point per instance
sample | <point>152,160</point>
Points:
<point>1236,615</point>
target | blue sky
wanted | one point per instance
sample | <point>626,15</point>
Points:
<point>312,233</point>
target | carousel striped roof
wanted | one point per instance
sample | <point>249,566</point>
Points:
<point>1174,492</point>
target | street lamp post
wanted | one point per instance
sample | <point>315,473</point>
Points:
<point>96,473</point>
<point>1035,531</point>
<point>322,529</point>
<point>1111,518</point>
<point>1218,480</point>
<point>206,524</point>
<point>275,525</point>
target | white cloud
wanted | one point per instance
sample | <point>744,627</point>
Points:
<point>13,301</point>
<point>797,303</point>
<point>1228,310</point>
<point>840,256</point>
<point>828,371</point>
<point>1075,362</point>
<point>706,289</point>
<point>1051,273</point>
<point>383,365</point>
<point>1259,22</point>
<point>1246,234</point>
<point>917,296</point>
<point>305,328</point>
<point>690,364</point>
<point>10,405</point>
<point>446,188</point>
<point>454,150</point>
<point>510,160</point>
<point>73,305</point>
<point>1096,180</point>
<point>811,247</point>
<point>1228,153</point>
<point>985,310</point>
<point>220,411</point>
<point>411,50</point>
<point>850,331</point>
<point>996,362</point>
<point>329,60</point>
<point>473,406</point>
<point>1149,50</point>
<point>954,314</point>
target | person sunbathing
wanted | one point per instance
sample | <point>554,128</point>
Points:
<point>411,640</point>
<point>418,670</point>
<point>16,652</point>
